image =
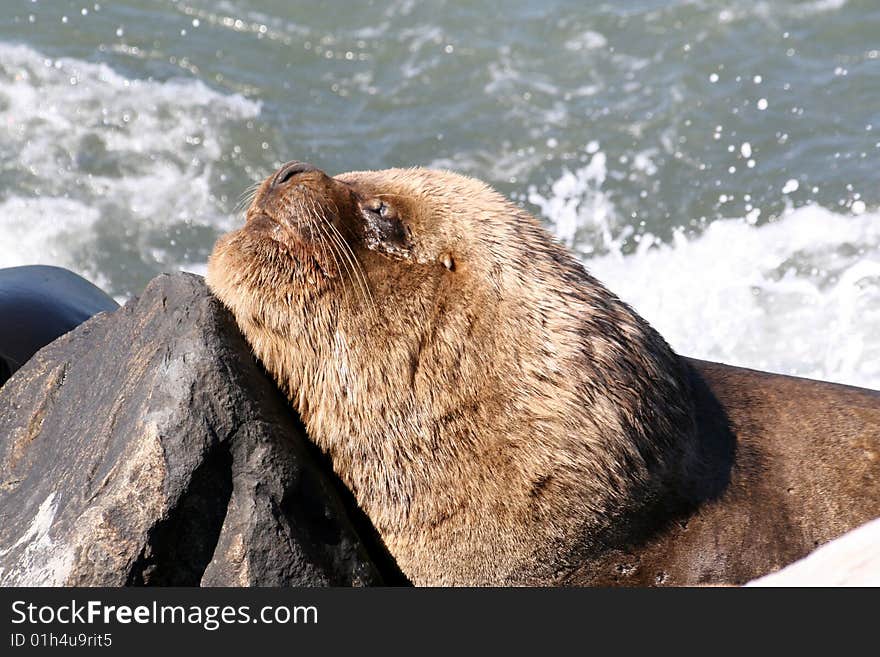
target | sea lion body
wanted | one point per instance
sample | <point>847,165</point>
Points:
<point>39,303</point>
<point>797,464</point>
<point>499,415</point>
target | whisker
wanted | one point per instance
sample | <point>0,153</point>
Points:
<point>348,255</point>
<point>310,225</point>
<point>350,266</point>
<point>362,278</point>
<point>326,238</point>
<point>343,267</point>
<point>246,197</point>
<point>254,185</point>
<point>356,265</point>
<point>314,221</point>
<point>341,263</point>
<point>354,257</point>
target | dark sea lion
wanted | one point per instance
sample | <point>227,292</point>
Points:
<point>39,303</point>
<point>502,418</point>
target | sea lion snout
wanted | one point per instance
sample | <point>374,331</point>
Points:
<point>293,195</point>
<point>290,170</point>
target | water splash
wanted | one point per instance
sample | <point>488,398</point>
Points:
<point>95,159</point>
<point>799,294</point>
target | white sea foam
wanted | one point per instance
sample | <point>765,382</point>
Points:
<point>87,143</point>
<point>773,10</point>
<point>798,295</point>
<point>578,206</point>
<point>42,230</point>
<point>588,40</point>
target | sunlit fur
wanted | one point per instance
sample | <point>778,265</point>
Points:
<point>491,418</point>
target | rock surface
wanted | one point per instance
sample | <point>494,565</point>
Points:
<point>148,447</point>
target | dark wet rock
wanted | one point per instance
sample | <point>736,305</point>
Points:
<point>148,447</point>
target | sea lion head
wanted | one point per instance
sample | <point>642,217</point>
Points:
<point>490,405</point>
<point>313,233</point>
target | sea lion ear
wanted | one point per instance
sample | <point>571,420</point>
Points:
<point>447,261</point>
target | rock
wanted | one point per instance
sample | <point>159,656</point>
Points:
<point>851,560</point>
<point>148,446</point>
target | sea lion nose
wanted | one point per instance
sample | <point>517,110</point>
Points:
<point>290,170</point>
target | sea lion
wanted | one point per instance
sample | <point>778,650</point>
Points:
<point>39,303</point>
<point>502,418</point>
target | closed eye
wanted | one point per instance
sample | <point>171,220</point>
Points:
<point>384,229</point>
<point>378,208</point>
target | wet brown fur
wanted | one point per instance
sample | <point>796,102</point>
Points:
<point>502,418</point>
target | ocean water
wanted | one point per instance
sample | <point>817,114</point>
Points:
<point>714,162</point>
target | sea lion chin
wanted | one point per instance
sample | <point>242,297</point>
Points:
<point>498,414</point>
